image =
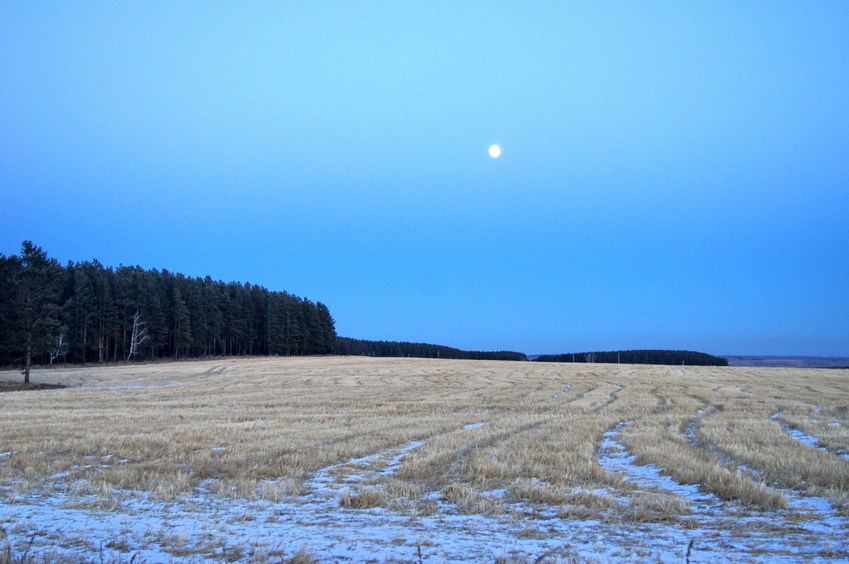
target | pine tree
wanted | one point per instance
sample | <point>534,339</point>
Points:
<point>38,289</point>
<point>10,350</point>
<point>86,311</point>
<point>181,324</point>
<point>327,329</point>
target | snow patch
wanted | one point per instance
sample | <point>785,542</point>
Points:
<point>565,391</point>
<point>819,519</point>
<point>614,456</point>
<point>330,483</point>
<point>810,441</point>
<point>136,526</point>
<point>149,531</point>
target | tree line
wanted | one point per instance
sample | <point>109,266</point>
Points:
<point>359,347</point>
<point>638,357</point>
<point>86,312</point>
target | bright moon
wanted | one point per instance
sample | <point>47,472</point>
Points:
<point>494,151</point>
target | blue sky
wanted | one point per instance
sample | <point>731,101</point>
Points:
<point>674,174</point>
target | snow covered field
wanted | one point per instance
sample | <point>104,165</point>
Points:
<point>414,460</point>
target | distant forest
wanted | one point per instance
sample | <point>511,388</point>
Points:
<point>85,312</point>
<point>638,357</point>
<point>346,346</point>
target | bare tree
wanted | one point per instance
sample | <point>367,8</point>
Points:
<point>590,357</point>
<point>59,347</point>
<point>138,336</point>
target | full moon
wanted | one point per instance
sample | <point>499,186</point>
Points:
<point>494,151</point>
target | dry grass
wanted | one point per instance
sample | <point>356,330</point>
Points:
<point>365,498</point>
<point>659,441</point>
<point>470,501</point>
<point>303,556</point>
<point>259,428</point>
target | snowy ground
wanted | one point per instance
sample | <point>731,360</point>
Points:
<point>808,528</point>
<point>136,527</point>
<point>54,515</point>
<point>808,440</point>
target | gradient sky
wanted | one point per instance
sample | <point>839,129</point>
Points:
<point>674,175</point>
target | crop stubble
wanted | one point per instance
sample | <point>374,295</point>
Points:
<point>492,434</point>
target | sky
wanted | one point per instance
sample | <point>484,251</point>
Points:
<point>673,174</point>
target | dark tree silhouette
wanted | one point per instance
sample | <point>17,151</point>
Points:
<point>347,346</point>
<point>86,312</point>
<point>38,282</point>
<point>638,357</point>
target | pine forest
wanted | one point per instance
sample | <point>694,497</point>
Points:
<point>86,312</point>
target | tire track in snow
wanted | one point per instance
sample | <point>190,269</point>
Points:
<point>330,483</point>
<point>612,397</point>
<point>811,516</point>
<point>615,457</point>
<point>819,514</point>
<point>806,439</point>
<point>810,441</point>
<point>691,433</point>
<point>204,526</point>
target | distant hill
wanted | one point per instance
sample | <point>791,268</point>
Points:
<point>637,357</point>
<point>789,361</point>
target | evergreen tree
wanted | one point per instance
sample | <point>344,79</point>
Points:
<point>81,312</point>
<point>38,285</point>
<point>181,324</point>
<point>639,357</point>
<point>347,346</point>
<point>10,349</point>
<point>87,312</point>
<point>326,329</point>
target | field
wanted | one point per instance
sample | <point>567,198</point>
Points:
<point>360,459</point>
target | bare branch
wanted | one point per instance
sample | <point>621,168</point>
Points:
<point>59,348</point>
<point>138,336</point>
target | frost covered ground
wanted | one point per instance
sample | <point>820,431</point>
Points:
<point>135,527</point>
<point>496,433</point>
<point>809,528</point>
